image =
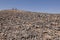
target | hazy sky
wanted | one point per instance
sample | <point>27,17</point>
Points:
<point>51,6</point>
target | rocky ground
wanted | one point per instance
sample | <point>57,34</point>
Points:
<point>24,25</point>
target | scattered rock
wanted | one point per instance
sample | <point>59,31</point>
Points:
<point>24,25</point>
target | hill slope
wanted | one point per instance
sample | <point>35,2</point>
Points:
<point>24,25</point>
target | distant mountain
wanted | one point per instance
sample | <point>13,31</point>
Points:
<point>26,25</point>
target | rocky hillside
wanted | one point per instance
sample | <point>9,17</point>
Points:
<point>24,25</point>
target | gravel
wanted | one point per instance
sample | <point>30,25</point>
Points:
<point>16,25</point>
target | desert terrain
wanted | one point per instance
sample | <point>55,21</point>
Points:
<point>26,25</point>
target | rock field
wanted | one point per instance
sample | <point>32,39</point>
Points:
<point>25,25</point>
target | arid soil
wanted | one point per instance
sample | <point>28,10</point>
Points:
<point>24,25</point>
